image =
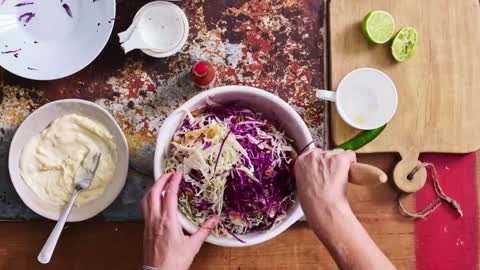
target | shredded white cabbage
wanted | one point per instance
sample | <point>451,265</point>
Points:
<point>208,153</point>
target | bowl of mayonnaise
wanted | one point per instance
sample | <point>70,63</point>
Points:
<point>47,154</point>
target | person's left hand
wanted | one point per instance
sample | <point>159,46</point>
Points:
<point>165,246</point>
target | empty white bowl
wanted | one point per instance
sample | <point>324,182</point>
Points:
<point>38,121</point>
<point>161,21</point>
<point>274,109</point>
<point>46,40</point>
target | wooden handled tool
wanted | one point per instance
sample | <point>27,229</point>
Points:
<point>366,175</point>
<point>362,174</point>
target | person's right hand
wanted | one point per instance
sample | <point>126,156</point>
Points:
<point>321,178</point>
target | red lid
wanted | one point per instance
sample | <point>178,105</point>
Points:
<point>200,69</point>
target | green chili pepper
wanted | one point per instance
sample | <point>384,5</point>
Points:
<point>362,139</point>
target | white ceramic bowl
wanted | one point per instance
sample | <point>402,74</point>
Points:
<point>182,26</point>
<point>52,44</point>
<point>272,108</point>
<point>38,121</point>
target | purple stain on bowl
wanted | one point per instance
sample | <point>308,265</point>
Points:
<point>35,42</point>
<point>26,17</point>
<point>15,55</point>
<point>23,4</point>
<point>30,68</point>
<point>68,10</point>
<point>2,2</point>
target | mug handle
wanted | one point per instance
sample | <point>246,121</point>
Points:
<point>326,95</point>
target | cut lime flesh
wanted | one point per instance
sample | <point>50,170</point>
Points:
<point>404,44</point>
<point>378,26</point>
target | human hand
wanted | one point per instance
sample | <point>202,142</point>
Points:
<point>321,178</point>
<point>165,246</point>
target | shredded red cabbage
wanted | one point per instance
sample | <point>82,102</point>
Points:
<point>113,19</point>
<point>11,51</point>
<point>23,4</point>
<point>68,10</point>
<point>258,190</point>
<point>27,16</point>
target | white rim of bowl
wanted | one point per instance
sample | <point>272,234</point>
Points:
<point>123,139</point>
<point>190,227</point>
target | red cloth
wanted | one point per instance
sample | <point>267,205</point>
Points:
<point>444,240</point>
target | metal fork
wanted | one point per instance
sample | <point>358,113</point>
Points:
<point>84,181</point>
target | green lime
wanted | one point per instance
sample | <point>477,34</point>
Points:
<point>378,26</point>
<point>404,44</point>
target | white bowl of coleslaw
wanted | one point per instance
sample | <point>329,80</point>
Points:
<point>271,108</point>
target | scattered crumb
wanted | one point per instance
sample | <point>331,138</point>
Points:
<point>445,229</point>
<point>447,168</point>
<point>459,242</point>
<point>116,229</point>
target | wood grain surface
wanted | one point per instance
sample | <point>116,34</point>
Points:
<point>438,88</point>
<point>98,245</point>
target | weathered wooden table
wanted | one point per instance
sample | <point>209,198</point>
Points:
<point>275,45</point>
<point>101,245</point>
<point>271,44</point>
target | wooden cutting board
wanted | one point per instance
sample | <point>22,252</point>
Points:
<point>439,88</point>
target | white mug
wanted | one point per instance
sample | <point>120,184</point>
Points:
<point>365,99</point>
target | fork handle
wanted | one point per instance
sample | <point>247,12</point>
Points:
<point>46,253</point>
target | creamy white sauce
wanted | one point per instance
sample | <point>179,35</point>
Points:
<point>51,160</point>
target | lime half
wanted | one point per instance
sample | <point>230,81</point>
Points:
<point>404,44</point>
<point>378,26</point>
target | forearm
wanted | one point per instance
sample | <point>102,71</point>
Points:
<point>346,239</point>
